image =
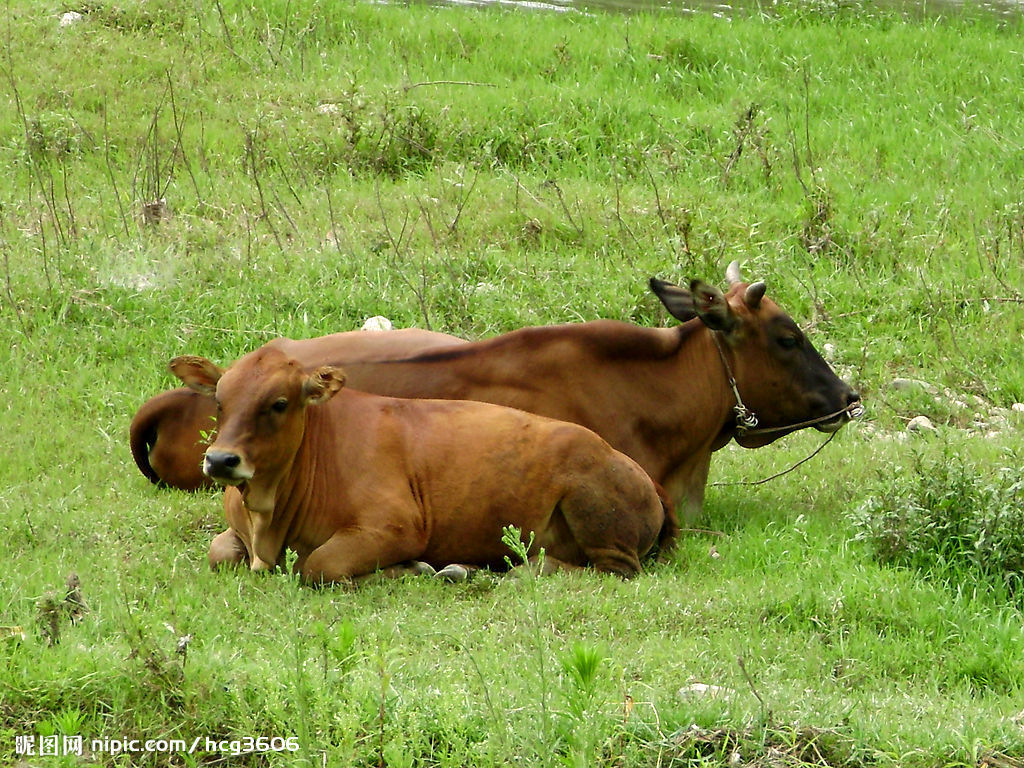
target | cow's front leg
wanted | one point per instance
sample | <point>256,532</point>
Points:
<point>357,552</point>
<point>686,486</point>
<point>227,549</point>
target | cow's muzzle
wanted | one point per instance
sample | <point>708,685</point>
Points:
<point>226,467</point>
<point>854,409</point>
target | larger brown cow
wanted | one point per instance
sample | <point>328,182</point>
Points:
<point>355,482</point>
<point>660,395</point>
<point>666,397</point>
<point>167,433</point>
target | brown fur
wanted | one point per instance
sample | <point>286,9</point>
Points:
<point>167,440</point>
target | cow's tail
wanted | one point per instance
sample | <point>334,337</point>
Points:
<point>142,435</point>
<point>670,524</point>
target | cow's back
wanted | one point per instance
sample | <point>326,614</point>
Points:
<point>341,348</point>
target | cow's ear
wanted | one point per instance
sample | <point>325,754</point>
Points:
<point>711,307</point>
<point>197,373</point>
<point>323,384</point>
<point>678,301</point>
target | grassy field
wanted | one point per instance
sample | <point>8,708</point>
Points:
<point>474,171</point>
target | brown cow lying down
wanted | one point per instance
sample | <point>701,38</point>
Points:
<point>354,482</point>
<point>167,434</point>
<point>662,396</point>
<point>665,397</point>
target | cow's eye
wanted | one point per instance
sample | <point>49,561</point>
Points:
<point>280,405</point>
<point>788,342</point>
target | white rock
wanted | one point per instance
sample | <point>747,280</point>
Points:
<point>1018,407</point>
<point>71,17</point>
<point>328,109</point>
<point>911,385</point>
<point>702,689</point>
<point>921,424</point>
<point>999,416</point>
<point>378,323</point>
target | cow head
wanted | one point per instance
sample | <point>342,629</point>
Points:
<point>261,417</point>
<point>779,375</point>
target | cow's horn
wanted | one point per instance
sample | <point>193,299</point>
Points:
<point>754,294</point>
<point>732,273</point>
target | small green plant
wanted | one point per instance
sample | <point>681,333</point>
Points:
<point>70,721</point>
<point>337,645</point>
<point>291,557</point>
<point>581,726</point>
<point>947,516</point>
<point>512,537</point>
<point>581,665</point>
<point>51,135</point>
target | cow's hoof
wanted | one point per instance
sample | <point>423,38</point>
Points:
<point>423,569</point>
<point>453,573</point>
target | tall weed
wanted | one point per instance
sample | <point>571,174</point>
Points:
<point>949,517</point>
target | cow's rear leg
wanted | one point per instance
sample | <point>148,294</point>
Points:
<point>614,523</point>
<point>227,549</point>
<point>619,561</point>
<point>352,553</point>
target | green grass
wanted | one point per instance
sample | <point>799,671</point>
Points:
<point>476,171</point>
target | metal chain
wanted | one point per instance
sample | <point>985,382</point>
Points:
<point>746,419</point>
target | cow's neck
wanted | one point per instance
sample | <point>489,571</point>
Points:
<point>690,407</point>
<point>269,503</point>
<point>699,360</point>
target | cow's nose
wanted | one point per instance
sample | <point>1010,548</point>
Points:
<point>854,406</point>
<point>221,464</point>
